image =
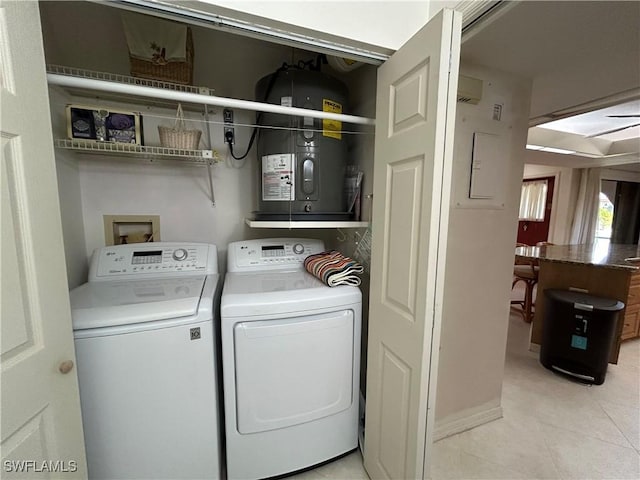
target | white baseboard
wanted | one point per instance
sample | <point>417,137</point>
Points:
<point>465,421</point>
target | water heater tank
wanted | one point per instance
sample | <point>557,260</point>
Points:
<point>302,160</point>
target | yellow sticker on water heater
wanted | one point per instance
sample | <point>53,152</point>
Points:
<point>331,128</point>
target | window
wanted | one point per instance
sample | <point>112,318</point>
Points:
<point>533,200</point>
<point>605,217</point>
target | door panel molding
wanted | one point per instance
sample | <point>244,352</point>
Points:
<point>403,211</point>
<point>394,398</point>
<point>405,111</point>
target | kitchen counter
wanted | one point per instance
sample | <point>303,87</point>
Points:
<point>609,256</point>
<point>611,271</point>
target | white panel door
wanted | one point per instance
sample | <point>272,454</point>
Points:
<point>41,426</point>
<point>412,176</point>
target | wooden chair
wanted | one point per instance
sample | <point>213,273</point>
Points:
<point>525,271</point>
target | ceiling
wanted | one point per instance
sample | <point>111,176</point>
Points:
<point>584,62</point>
<point>619,122</point>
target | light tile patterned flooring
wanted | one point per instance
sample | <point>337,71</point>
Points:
<point>552,428</point>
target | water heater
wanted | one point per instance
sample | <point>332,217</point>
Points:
<point>302,160</point>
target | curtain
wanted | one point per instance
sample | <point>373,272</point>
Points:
<point>626,213</point>
<point>533,200</point>
<point>585,218</point>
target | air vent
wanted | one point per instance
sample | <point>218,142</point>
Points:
<point>469,90</point>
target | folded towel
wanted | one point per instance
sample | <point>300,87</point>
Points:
<point>333,268</point>
<point>155,40</point>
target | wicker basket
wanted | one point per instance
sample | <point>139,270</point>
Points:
<point>175,72</point>
<point>178,136</point>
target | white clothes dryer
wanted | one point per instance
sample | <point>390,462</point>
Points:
<point>145,340</point>
<point>291,360</point>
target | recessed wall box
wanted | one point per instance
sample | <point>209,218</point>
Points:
<point>120,229</point>
<point>469,90</point>
<point>103,125</point>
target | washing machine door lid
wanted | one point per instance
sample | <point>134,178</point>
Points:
<point>266,293</point>
<point>243,283</point>
<point>107,304</point>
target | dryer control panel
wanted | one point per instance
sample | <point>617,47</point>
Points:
<point>153,259</point>
<point>271,254</point>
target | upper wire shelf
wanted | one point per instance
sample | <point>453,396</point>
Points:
<point>106,85</point>
<point>114,78</point>
<point>126,79</point>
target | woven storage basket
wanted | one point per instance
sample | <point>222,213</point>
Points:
<point>176,72</point>
<point>178,136</point>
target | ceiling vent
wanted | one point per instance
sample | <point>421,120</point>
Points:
<point>469,90</point>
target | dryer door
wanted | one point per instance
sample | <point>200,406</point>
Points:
<point>294,370</point>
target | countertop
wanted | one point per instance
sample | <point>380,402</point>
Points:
<point>609,256</point>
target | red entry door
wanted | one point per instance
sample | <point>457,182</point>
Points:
<point>533,232</point>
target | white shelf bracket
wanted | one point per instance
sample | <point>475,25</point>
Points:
<point>209,163</point>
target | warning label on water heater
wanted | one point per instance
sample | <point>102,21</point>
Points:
<point>331,128</point>
<point>278,177</point>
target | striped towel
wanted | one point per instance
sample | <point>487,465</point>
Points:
<point>333,268</point>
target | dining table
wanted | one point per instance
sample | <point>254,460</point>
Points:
<point>601,269</point>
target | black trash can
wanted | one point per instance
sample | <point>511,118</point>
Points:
<point>578,334</point>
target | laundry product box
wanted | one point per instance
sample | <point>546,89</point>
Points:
<point>103,125</point>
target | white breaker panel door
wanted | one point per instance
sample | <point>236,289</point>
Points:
<point>412,175</point>
<point>41,425</point>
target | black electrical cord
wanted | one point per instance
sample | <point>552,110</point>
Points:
<point>229,137</point>
<point>320,60</point>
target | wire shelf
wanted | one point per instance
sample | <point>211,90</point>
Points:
<point>82,82</point>
<point>194,157</point>
<point>128,80</point>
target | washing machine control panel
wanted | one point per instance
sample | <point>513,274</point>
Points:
<point>153,258</point>
<point>271,254</point>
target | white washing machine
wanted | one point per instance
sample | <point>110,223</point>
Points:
<point>291,360</point>
<point>145,340</point>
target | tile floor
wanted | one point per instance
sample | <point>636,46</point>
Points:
<point>552,428</point>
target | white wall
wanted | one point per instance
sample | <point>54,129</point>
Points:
<point>231,68</point>
<point>621,174</point>
<point>557,89</point>
<point>72,224</point>
<point>179,195</point>
<point>480,256</point>
<point>102,185</point>
<point>608,187</point>
<point>68,177</point>
<point>385,24</point>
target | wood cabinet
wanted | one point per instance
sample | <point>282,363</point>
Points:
<point>631,319</point>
